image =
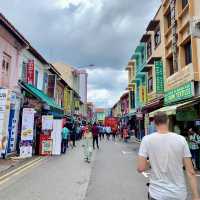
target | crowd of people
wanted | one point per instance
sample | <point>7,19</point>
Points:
<point>91,135</point>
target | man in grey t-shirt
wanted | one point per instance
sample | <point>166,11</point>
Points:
<point>168,153</point>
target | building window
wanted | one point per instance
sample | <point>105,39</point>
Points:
<point>171,66</point>
<point>149,48</point>
<point>157,37</point>
<point>168,18</point>
<point>150,81</point>
<point>188,53</point>
<point>184,3</point>
<point>5,70</point>
<point>24,72</point>
<point>45,82</point>
<point>36,78</point>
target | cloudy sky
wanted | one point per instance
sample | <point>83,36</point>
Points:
<point>83,32</point>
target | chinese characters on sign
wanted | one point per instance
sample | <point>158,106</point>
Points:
<point>184,92</point>
<point>159,77</point>
<point>30,72</point>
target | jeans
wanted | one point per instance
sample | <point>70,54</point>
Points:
<point>64,146</point>
<point>195,156</point>
<point>95,140</point>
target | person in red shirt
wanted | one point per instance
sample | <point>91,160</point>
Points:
<point>95,134</point>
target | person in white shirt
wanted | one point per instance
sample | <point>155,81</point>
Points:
<point>168,153</point>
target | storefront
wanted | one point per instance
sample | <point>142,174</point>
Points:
<point>47,122</point>
<point>180,106</point>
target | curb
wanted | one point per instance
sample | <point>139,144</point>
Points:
<point>20,168</point>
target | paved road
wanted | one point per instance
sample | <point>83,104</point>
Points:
<point>114,175</point>
<point>111,176</point>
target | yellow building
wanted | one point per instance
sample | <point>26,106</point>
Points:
<point>131,84</point>
<point>72,102</point>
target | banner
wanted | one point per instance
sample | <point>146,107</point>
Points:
<point>159,77</point>
<point>4,115</point>
<point>183,92</point>
<point>26,149</point>
<point>56,136</point>
<point>30,72</point>
<point>27,124</point>
<point>47,122</point>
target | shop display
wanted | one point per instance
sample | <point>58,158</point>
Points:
<point>56,136</point>
<point>47,122</point>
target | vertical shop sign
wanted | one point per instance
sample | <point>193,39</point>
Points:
<point>27,132</point>
<point>30,72</point>
<point>143,94</point>
<point>27,124</point>
<point>4,113</point>
<point>174,33</point>
<point>159,77</point>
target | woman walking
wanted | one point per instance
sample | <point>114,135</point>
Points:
<point>87,143</point>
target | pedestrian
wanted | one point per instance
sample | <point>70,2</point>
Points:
<point>87,143</point>
<point>95,134</point>
<point>198,142</point>
<point>125,134</point>
<point>193,144</point>
<point>73,136</point>
<point>167,153</point>
<point>100,131</point>
<point>114,132</point>
<point>103,131</point>
<point>65,135</point>
<point>108,132</point>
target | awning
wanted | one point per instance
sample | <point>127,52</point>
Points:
<point>41,96</point>
<point>169,110</point>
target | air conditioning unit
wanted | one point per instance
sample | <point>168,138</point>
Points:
<point>195,28</point>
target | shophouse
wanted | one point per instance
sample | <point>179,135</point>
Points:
<point>181,63</point>
<point>72,78</point>
<point>12,45</point>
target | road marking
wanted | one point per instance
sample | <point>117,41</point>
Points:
<point>145,174</point>
<point>19,170</point>
<point>126,152</point>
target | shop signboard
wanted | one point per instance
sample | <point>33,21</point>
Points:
<point>159,77</point>
<point>26,149</point>
<point>30,72</point>
<point>143,94</point>
<point>4,113</point>
<point>46,147</point>
<point>183,92</point>
<point>47,122</point>
<point>27,124</point>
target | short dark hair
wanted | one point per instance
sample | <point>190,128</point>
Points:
<point>160,118</point>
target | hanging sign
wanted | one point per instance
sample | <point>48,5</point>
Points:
<point>159,77</point>
<point>186,91</point>
<point>30,72</point>
<point>27,124</point>
<point>47,122</point>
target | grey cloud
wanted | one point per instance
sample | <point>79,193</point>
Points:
<point>105,38</point>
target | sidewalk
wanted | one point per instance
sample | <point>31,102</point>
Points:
<point>7,165</point>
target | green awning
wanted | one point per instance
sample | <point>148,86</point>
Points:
<point>42,96</point>
<point>169,110</point>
